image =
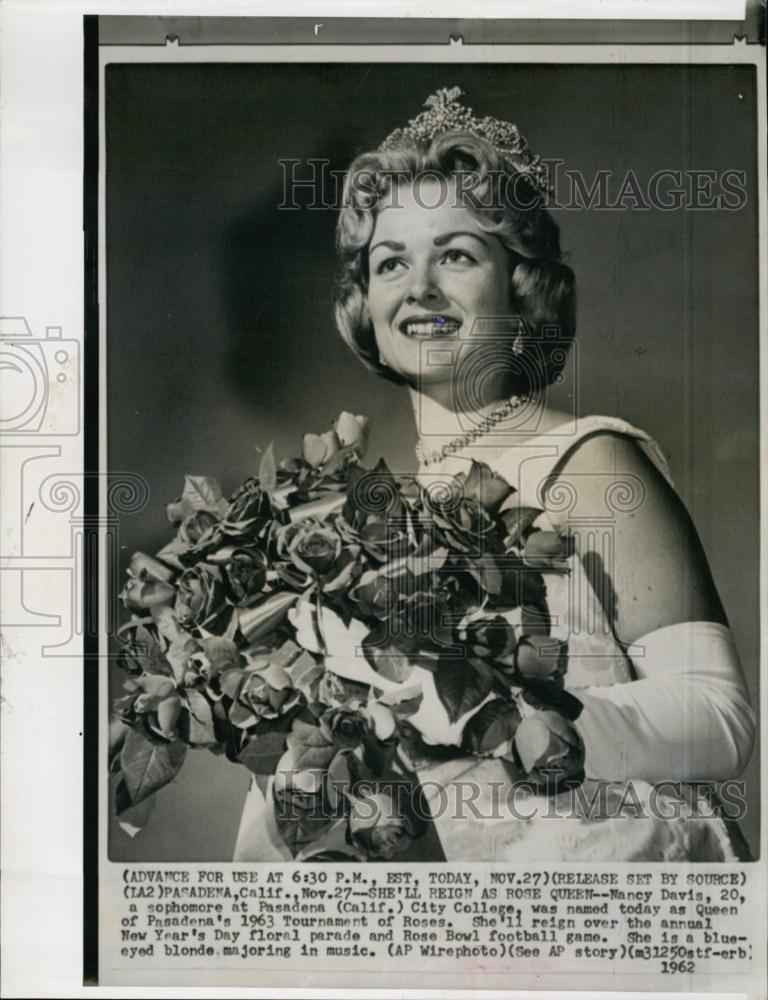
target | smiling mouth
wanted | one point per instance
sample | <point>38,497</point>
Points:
<point>430,326</point>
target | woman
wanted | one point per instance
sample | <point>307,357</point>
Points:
<point>452,284</point>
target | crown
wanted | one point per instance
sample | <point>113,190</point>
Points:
<point>444,113</point>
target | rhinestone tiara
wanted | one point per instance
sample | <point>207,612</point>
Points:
<point>444,113</point>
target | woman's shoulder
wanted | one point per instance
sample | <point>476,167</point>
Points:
<point>596,445</point>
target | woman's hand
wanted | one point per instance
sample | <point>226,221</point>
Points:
<point>550,750</point>
<point>687,716</point>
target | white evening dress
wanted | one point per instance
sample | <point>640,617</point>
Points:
<point>629,820</point>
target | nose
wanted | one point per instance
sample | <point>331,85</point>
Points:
<point>423,288</point>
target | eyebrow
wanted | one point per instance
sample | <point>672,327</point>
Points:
<point>439,241</point>
<point>392,244</point>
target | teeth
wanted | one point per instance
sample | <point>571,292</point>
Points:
<point>429,328</point>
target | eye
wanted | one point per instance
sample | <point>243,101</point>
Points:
<point>456,256</point>
<point>390,265</point>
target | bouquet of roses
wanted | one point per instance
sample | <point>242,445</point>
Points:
<point>335,628</point>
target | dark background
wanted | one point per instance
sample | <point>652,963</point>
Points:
<point>220,337</point>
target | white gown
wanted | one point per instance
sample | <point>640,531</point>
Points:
<point>629,822</point>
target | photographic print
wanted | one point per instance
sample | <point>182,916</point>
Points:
<point>540,596</point>
<point>383,559</point>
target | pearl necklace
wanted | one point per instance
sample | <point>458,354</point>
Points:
<point>464,440</point>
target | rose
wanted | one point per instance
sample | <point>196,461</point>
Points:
<point>199,596</point>
<point>550,750</point>
<point>193,528</point>
<point>491,639</point>
<point>309,545</point>
<point>148,584</point>
<point>316,550</point>
<point>347,724</point>
<point>352,432</point>
<point>246,573</point>
<point>249,511</point>
<point>157,697</point>
<point>378,828</point>
<point>264,693</point>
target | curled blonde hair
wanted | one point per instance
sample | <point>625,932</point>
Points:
<point>505,204</point>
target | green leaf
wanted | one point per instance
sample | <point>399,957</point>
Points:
<point>311,749</point>
<point>496,722</point>
<point>303,826</point>
<point>147,764</point>
<point>203,493</point>
<point>262,753</point>
<point>268,470</point>
<point>200,718</point>
<point>332,846</point>
<point>386,659</point>
<point>461,686</point>
<point>131,819</point>
<point>118,731</point>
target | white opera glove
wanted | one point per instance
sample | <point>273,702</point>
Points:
<point>687,718</point>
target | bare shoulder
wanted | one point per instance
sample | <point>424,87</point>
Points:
<point>658,573</point>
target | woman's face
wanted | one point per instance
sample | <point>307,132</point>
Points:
<point>433,273</point>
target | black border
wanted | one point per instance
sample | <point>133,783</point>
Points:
<point>91,499</point>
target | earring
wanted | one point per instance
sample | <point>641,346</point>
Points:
<point>518,344</point>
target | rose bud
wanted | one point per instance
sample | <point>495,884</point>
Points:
<point>318,448</point>
<point>486,486</point>
<point>148,583</point>
<point>550,750</point>
<point>352,432</point>
<point>157,696</point>
<point>255,623</point>
<point>324,506</point>
<point>140,594</point>
<point>345,725</point>
<point>540,657</point>
<point>378,828</point>
<point>145,567</point>
<point>548,549</point>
